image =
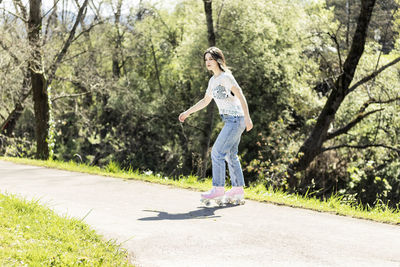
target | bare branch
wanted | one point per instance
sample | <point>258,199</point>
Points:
<point>74,56</point>
<point>361,115</point>
<point>373,101</point>
<point>331,71</point>
<point>95,8</point>
<point>162,21</point>
<point>14,114</point>
<point>361,147</point>
<point>77,4</point>
<point>67,43</point>
<point>71,95</point>
<point>88,29</point>
<point>76,83</point>
<point>351,124</point>
<point>7,109</point>
<point>219,14</point>
<point>15,15</point>
<point>22,7</point>
<point>373,75</point>
<point>55,4</point>
<point>49,20</point>
<point>333,37</point>
<point>234,31</point>
<point>389,22</point>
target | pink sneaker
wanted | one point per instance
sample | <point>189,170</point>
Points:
<point>216,193</point>
<point>235,195</point>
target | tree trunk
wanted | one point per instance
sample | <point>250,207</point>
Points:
<point>8,126</point>
<point>38,80</point>
<point>348,14</point>
<point>210,25</point>
<point>313,145</point>
<point>116,65</point>
<point>205,141</point>
<point>153,52</point>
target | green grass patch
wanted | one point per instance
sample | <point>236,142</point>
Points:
<point>334,205</point>
<point>33,235</point>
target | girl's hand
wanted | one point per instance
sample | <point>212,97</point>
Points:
<point>249,124</point>
<point>183,116</point>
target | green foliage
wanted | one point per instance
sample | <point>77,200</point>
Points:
<point>276,152</point>
<point>17,146</point>
<point>375,183</point>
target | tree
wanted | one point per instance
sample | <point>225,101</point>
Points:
<point>116,64</point>
<point>321,133</point>
<point>208,126</point>
<point>381,29</point>
<point>37,77</point>
<point>8,125</point>
<point>40,80</point>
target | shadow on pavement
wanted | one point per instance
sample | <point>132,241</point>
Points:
<point>200,213</point>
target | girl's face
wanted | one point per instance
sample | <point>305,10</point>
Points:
<point>211,63</point>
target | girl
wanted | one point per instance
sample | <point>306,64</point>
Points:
<point>232,106</point>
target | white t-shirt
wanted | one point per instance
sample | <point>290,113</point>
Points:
<point>219,88</point>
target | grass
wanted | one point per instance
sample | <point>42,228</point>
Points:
<point>333,205</point>
<point>33,235</point>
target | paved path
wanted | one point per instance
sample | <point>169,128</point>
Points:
<point>166,226</point>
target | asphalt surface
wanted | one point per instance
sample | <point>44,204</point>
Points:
<point>165,226</point>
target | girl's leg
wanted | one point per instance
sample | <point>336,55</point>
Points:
<point>221,148</point>
<point>236,194</point>
<point>235,169</point>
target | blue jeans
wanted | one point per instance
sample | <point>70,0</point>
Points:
<point>225,148</point>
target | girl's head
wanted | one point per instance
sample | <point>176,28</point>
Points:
<point>214,58</point>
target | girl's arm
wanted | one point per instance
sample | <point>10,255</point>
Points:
<point>199,105</point>
<point>243,102</point>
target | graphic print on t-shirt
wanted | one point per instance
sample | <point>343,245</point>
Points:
<point>219,88</point>
<point>220,92</point>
